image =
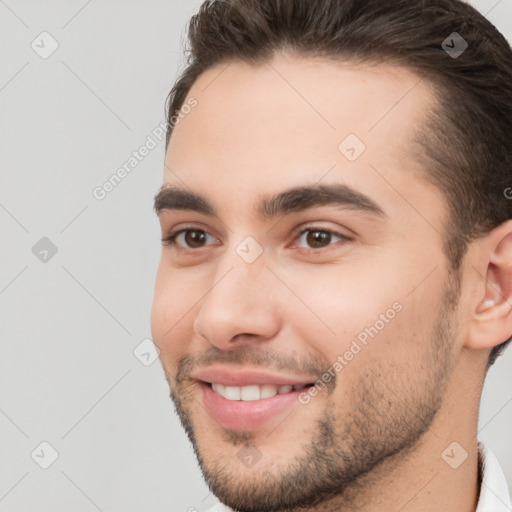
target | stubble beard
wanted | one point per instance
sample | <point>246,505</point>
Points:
<point>385,422</point>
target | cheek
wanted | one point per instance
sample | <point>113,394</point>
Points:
<point>171,314</point>
<point>360,314</point>
<point>343,306</point>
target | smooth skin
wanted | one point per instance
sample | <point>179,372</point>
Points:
<point>374,440</point>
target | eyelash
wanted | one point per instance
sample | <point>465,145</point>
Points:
<point>170,239</point>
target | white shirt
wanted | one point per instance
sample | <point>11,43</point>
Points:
<point>494,494</point>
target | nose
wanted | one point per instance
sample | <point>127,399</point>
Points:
<point>240,307</point>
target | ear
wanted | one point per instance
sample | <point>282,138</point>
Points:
<point>491,319</point>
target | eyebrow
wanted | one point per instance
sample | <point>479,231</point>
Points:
<point>292,200</point>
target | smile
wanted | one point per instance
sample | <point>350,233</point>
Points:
<point>254,392</point>
<point>246,399</point>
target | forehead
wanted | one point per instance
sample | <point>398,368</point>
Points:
<point>296,120</point>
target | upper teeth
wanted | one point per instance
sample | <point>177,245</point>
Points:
<point>253,392</point>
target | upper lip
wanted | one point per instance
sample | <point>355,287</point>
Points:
<point>245,377</point>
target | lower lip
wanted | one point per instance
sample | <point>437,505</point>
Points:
<point>245,415</point>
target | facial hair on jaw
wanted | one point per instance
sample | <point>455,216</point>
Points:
<point>343,450</point>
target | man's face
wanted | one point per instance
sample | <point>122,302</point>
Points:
<point>306,336</point>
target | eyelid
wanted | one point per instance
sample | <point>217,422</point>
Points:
<point>315,226</point>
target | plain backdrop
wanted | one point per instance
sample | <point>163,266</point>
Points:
<point>77,273</point>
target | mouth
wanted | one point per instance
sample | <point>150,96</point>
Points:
<point>248,400</point>
<point>254,392</point>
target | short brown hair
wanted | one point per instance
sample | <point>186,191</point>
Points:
<point>465,145</point>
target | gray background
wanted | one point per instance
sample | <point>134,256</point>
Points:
<point>70,324</point>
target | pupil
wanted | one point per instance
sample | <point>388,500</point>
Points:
<point>318,238</point>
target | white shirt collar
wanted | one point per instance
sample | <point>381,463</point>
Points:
<point>494,494</point>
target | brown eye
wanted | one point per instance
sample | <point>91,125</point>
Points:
<point>189,239</point>
<point>194,238</point>
<point>314,238</point>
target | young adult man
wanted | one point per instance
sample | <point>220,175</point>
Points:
<point>336,271</point>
